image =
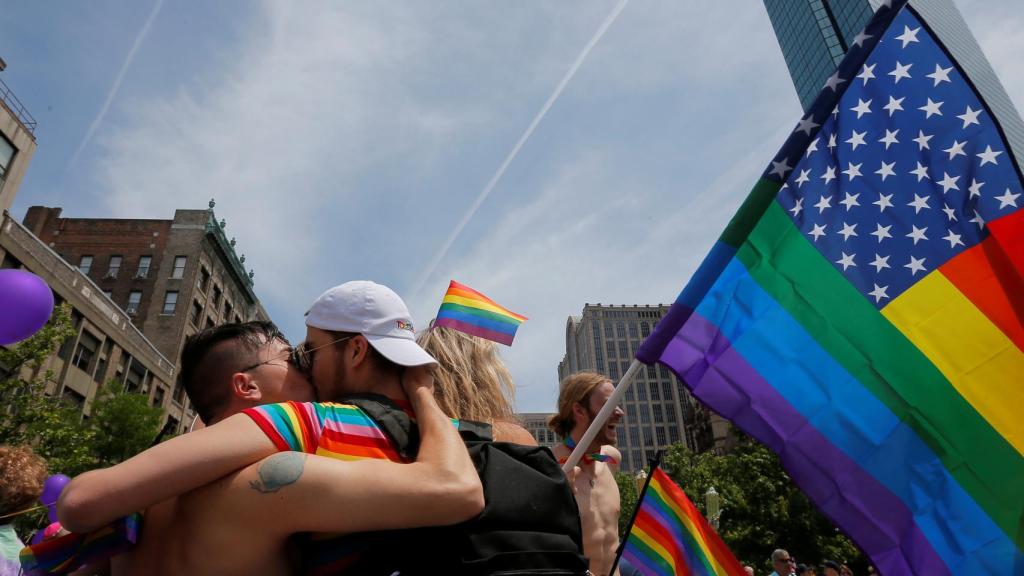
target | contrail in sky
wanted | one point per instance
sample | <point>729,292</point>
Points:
<point>429,270</point>
<point>117,81</point>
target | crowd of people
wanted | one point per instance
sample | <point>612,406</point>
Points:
<point>285,471</point>
<point>784,564</point>
<point>282,473</point>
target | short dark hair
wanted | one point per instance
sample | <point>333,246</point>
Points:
<point>207,361</point>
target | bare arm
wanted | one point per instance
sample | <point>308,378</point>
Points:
<point>505,431</point>
<point>302,493</point>
<point>169,469</point>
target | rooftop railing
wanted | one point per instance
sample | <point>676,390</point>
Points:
<point>16,107</point>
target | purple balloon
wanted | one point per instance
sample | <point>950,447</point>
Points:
<point>52,488</point>
<point>26,303</point>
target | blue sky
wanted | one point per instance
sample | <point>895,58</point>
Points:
<point>346,140</point>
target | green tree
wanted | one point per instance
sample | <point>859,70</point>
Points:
<point>123,424</point>
<point>761,507</point>
<point>50,425</point>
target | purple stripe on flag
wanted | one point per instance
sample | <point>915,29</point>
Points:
<point>642,563</point>
<point>475,330</point>
<point>724,380</point>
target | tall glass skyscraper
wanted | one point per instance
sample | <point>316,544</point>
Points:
<point>814,36</point>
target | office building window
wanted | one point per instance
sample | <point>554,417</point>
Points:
<point>170,301</point>
<point>85,264</point>
<point>662,439</point>
<point>144,263</point>
<point>179,267</point>
<point>632,331</point>
<point>655,393</point>
<point>659,413</point>
<point>227,311</point>
<point>666,390</point>
<point>7,151</point>
<point>216,297</point>
<point>645,414</point>
<point>114,267</point>
<point>204,280</point>
<point>641,390</point>
<point>197,313</point>
<point>631,412</point>
<point>86,350</point>
<point>623,349</point>
<point>648,437</point>
<point>652,373</point>
<point>73,397</point>
<point>673,433</point>
<point>134,297</point>
<point>645,329</point>
<point>158,396</point>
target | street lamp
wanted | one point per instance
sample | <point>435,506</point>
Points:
<point>712,506</point>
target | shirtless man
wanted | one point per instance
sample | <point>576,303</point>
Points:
<point>581,397</point>
<point>211,530</point>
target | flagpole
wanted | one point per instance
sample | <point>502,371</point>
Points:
<point>654,463</point>
<point>601,418</point>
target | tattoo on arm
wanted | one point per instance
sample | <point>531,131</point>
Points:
<point>278,471</point>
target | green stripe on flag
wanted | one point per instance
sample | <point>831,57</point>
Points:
<point>480,312</point>
<point>650,554</point>
<point>750,212</point>
<point>870,348</point>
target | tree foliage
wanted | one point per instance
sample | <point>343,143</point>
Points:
<point>761,508</point>
<point>122,424</point>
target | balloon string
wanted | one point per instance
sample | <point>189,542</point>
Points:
<point>27,510</point>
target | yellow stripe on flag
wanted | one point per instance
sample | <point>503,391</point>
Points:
<point>480,305</point>
<point>985,367</point>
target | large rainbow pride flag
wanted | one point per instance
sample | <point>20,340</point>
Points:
<point>862,312</point>
<point>469,311</point>
<point>670,536</point>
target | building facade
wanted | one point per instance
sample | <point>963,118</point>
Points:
<point>814,36</point>
<point>106,345</point>
<point>659,409</point>
<point>168,279</point>
<point>17,143</point>
<point>537,424</point>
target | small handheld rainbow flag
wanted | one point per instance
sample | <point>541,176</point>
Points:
<point>669,536</point>
<point>469,311</point>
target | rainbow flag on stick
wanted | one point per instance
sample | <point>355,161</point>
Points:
<point>469,311</point>
<point>862,313</point>
<point>669,535</point>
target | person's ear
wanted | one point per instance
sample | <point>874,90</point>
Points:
<point>579,413</point>
<point>244,387</point>
<point>358,350</point>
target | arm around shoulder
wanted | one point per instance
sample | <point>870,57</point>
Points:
<point>179,465</point>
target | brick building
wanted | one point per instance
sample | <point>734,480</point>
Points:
<point>171,278</point>
<point>106,345</point>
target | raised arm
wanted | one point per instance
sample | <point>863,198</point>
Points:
<point>169,469</point>
<point>303,493</point>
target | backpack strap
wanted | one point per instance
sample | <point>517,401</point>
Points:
<point>391,419</point>
<point>402,430</point>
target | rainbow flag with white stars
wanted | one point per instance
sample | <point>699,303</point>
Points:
<point>862,313</point>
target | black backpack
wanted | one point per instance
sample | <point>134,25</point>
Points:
<point>530,523</point>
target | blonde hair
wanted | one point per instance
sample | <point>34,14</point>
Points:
<point>576,388</point>
<point>471,381</point>
<point>22,474</point>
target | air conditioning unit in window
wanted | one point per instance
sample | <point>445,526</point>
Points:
<point>110,274</point>
<point>142,274</point>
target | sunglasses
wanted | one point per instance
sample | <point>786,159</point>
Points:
<point>301,357</point>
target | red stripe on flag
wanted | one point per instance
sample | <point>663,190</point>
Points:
<point>990,275</point>
<point>659,534</point>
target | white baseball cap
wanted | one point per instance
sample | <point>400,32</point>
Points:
<point>374,311</point>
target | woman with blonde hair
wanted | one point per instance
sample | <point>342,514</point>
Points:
<point>472,382</point>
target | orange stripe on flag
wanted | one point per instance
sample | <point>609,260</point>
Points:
<point>989,275</point>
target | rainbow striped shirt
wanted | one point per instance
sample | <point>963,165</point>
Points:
<point>341,431</point>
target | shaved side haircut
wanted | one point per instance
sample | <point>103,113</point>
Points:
<point>211,356</point>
